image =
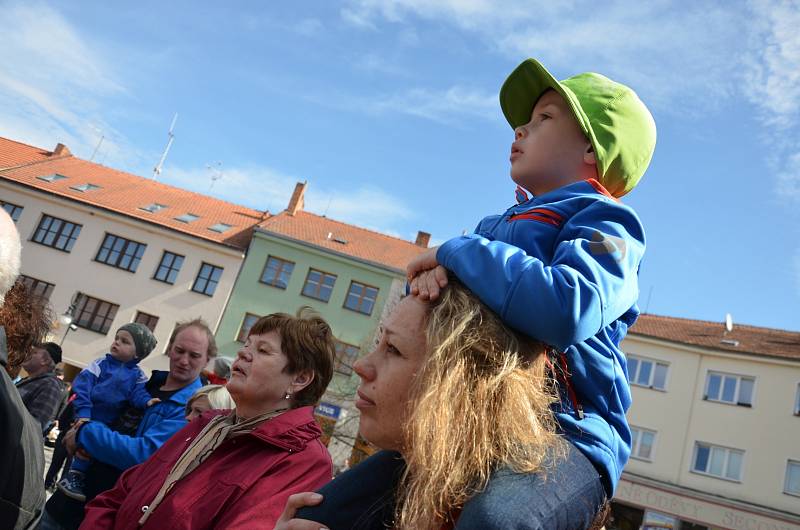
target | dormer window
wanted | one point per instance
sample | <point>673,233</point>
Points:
<point>220,227</point>
<point>85,187</point>
<point>187,218</point>
<point>52,178</point>
<point>153,207</point>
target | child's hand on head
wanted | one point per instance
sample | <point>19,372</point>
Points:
<point>153,401</point>
<point>424,262</point>
<point>428,284</point>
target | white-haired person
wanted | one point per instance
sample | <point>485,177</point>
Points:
<point>24,321</point>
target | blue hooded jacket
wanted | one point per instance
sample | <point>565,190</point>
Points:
<point>563,269</point>
<point>105,387</point>
<point>159,423</point>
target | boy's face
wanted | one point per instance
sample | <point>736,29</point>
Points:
<point>550,151</point>
<point>123,348</point>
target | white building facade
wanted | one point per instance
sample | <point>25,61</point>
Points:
<point>108,248</point>
<point>716,427</point>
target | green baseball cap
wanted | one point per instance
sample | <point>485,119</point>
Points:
<point>611,115</point>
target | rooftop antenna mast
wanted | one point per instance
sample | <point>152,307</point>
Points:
<point>216,173</point>
<point>99,143</point>
<point>157,169</point>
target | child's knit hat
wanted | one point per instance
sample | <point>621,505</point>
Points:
<point>142,337</point>
<point>611,115</point>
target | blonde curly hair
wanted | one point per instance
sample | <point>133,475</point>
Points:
<point>481,399</point>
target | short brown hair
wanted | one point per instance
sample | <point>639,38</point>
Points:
<point>307,341</point>
<point>200,324</point>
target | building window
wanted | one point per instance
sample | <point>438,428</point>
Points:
<point>95,314</point>
<point>792,484</point>
<point>56,233</point>
<point>85,187</point>
<point>797,401</point>
<point>220,227</point>
<point>277,272</point>
<point>13,210</point>
<point>187,218</point>
<point>207,279</point>
<point>120,252</point>
<point>37,287</point>
<point>247,323</point>
<point>720,462</point>
<point>148,320</point>
<point>729,388</point>
<point>361,298</point>
<point>319,285</point>
<point>153,207</point>
<point>169,267</point>
<point>346,355</point>
<point>642,443</point>
<point>52,178</point>
<point>647,372</point>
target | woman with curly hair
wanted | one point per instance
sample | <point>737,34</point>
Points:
<point>459,398</point>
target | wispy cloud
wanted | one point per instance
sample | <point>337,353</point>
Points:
<point>265,188</point>
<point>704,55</point>
<point>52,85</point>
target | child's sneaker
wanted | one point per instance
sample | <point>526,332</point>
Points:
<point>73,486</point>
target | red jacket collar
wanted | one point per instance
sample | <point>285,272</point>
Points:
<point>292,430</point>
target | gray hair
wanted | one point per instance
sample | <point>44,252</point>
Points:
<point>10,253</point>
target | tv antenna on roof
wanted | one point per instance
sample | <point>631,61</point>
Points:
<point>216,173</point>
<point>157,169</point>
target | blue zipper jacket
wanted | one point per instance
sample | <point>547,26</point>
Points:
<point>159,423</point>
<point>563,268</point>
<point>105,387</point>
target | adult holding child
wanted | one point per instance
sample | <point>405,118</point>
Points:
<point>458,396</point>
<point>131,441</point>
<point>236,469</point>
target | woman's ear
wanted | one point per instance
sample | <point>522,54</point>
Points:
<point>302,380</point>
<point>588,155</point>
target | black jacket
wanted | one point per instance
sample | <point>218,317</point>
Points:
<point>21,456</point>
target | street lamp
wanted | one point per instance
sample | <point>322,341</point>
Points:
<point>67,317</point>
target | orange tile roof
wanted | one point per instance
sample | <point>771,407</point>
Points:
<point>750,340</point>
<point>126,194</point>
<point>14,153</point>
<point>360,243</point>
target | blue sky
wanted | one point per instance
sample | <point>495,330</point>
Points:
<point>389,110</point>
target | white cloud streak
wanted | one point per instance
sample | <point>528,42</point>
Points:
<point>264,188</point>
<point>52,85</point>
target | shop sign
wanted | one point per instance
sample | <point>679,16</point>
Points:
<point>697,510</point>
<point>328,410</point>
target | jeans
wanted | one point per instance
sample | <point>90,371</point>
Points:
<point>48,523</point>
<point>567,496</point>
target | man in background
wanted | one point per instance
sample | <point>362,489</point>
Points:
<point>42,392</point>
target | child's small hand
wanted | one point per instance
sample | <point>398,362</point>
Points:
<point>424,262</point>
<point>428,284</point>
<point>153,401</point>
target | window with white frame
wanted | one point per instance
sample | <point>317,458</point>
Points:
<point>717,461</point>
<point>797,401</point>
<point>792,483</point>
<point>642,441</point>
<point>730,388</point>
<point>647,372</point>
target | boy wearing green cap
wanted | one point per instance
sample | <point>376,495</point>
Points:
<point>562,265</point>
<point>105,387</point>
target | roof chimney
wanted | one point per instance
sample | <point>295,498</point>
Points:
<point>423,238</point>
<point>296,203</point>
<point>61,150</point>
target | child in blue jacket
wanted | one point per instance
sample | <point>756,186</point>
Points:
<point>562,265</point>
<point>105,388</point>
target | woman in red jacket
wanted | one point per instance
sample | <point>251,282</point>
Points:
<point>235,469</point>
